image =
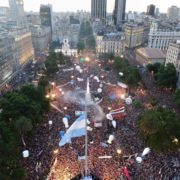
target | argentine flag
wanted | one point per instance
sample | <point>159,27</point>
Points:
<point>77,129</point>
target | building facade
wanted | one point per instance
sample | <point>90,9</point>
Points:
<point>41,37</point>
<point>24,51</point>
<point>110,43</point>
<point>66,50</point>
<point>98,9</point>
<point>46,15</point>
<point>173,13</point>
<point>151,10</point>
<point>16,12</point>
<point>119,12</point>
<point>134,35</point>
<point>161,38</point>
<point>173,56</point>
<point>7,60</point>
<point>147,56</point>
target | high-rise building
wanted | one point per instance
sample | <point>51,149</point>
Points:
<point>119,12</point>
<point>151,10</point>
<point>7,60</point>
<point>98,9</point>
<point>46,15</point>
<point>17,12</point>
<point>173,13</point>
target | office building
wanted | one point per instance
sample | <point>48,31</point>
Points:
<point>173,13</point>
<point>161,38</point>
<point>7,60</point>
<point>134,35</point>
<point>46,15</point>
<point>16,12</point>
<point>151,10</point>
<point>119,12</point>
<point>41,37</point>
<point>98,9</point>
<point>24,51</point>
<point>110,43</point>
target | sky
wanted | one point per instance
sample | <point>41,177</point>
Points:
<point>73,5</point>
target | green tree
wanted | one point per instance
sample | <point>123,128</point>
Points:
<point>80,46</point>
<point>91,42</point>
<point>166,76</point>
<point>153,67</point>
<point>23,125</point>
<point>177,97</point>
<point>161,129</point>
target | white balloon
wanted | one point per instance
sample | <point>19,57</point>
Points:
<point>78,68</point>
<point>25,153</point>
<point>88,122</point>
<point>99,90</point>
<point>50,123</point>
<point>114,123</point>
<point>65,121</point>
<point>146,151</point>
<point>139,159</point>
<point>111,138</point>
<point>89,128</point>
<point>100,85</point>
<point>109,117</point>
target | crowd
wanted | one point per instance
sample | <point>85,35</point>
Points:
<point>47,159</point>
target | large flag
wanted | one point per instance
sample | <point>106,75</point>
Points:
<point>77,129</point>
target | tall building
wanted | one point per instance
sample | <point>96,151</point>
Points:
<point>17,12</point>
<point>98,9</point>
<point>7,60</point>
<point>119,12</point>
<point>46,15</point>
<point>23,47</point>
<point>173,13</point>
<point>151,10</point>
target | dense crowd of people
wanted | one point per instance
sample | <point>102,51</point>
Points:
<point>48,160</point>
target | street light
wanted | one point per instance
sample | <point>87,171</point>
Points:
<point>119,151</point>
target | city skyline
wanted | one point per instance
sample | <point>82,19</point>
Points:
<point>74,5</point>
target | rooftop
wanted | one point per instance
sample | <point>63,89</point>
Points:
<point>152,53</point>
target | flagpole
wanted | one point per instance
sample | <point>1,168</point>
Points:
<point>86,136</point>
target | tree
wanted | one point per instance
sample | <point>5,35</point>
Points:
<point>166,76</point>
<point>177,97</point>
<point>91,42</point>
<point>161,129</point>
<point>80,46</point>
<point>153,67</point>
<point>23,125</point>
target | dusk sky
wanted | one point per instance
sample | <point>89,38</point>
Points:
<point>73,5</point>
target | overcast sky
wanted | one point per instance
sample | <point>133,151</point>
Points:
<point>73,5</point>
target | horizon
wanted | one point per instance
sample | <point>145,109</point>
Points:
<point>73,6</point>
